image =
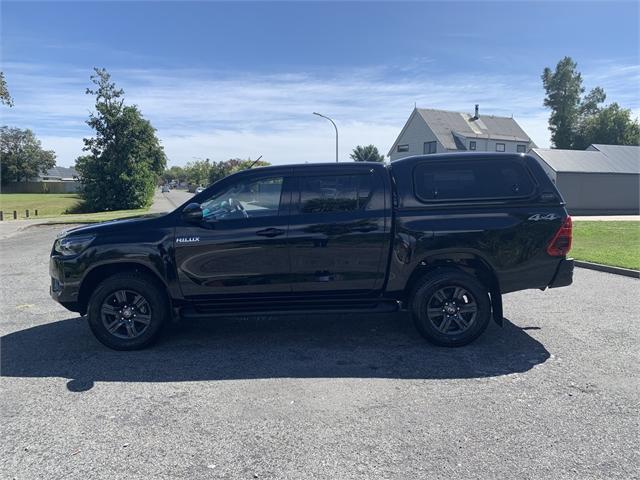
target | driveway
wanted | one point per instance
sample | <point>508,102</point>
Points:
<point>553,394</point>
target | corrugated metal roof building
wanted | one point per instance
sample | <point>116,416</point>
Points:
<point>601,180</point>
<point>67,174</point>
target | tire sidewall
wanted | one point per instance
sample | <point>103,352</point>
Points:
<point>433,283</point>
<point>144,286</point>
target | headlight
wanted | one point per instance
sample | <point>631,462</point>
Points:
<point>72,245</point>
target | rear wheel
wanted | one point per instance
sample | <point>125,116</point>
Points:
<point>127,311</point>
<point>450,308</point>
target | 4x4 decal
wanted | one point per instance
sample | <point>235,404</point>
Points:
<point>538,216</point>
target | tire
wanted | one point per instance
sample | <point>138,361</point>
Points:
<point>127,311</point>
<point>454,297</point>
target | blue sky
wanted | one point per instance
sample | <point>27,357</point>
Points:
<point>223,80</point>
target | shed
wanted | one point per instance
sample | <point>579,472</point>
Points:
<point>602,180</point>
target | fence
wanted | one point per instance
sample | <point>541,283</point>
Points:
<point>16,214</point>
<point>41,187</point>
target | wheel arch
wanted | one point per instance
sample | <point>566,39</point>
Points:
<point>99,273</point>
<point>469,263</point>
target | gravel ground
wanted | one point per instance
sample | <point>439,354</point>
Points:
<point>553,394</point>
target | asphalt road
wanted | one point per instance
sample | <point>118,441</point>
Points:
<point>553,394</point>
<point>166,202</point>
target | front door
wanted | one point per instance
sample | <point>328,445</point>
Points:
<point>338,234</point>
<point>240,246</point>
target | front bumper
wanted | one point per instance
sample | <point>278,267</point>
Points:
<point>62,290</point>
<point>564,274</point>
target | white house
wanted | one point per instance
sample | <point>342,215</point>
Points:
<point>440,131</point>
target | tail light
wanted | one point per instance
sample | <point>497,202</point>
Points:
<point>560,244</point>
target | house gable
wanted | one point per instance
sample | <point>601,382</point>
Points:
<point>415,133</point>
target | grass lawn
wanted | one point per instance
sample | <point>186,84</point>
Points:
<point>607,242</point>
<point>47,204</point>
<point>53,206</point>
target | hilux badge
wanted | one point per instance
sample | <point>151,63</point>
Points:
<point>187,239</point>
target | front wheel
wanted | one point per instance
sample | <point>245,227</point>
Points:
<point>127,311</point>
<point>450,308</point>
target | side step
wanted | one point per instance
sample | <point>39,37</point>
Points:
<point>236,309</point>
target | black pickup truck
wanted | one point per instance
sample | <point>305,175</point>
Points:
<point>442,236</point>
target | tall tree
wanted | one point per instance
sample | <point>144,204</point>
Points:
<point>576,122</point>
<point>590,104</point>
<point>563,90</point>
<point>124,158</point>
<point>366,154</point>
<point>5,96</point>
<point>22,155</point>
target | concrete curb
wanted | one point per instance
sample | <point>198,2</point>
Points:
<point>627,272</point>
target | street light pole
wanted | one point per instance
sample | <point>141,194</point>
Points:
<point>334,126</point>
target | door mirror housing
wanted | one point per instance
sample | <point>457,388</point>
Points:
<point>192,213</point>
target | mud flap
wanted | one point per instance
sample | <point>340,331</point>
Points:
<point>496,307</point>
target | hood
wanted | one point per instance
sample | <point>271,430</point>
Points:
<point>111,226</point>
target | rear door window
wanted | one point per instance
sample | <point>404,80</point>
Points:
<point>472,180</point>
<point>334,193</point>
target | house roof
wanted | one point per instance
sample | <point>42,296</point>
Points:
<point>445,125</point>
<point>591,161</point>
<point>60,172</point>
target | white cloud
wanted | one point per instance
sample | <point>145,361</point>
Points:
<point>224,114</point>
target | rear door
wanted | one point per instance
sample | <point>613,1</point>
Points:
<point>338,230</point>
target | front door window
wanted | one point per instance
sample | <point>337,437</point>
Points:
<point>246,199</point>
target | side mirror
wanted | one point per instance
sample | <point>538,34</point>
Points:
<point>192,213</point>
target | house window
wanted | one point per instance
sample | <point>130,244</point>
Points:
<point>521,148</point>
<point>403,148</point>
<point>499,147</point>
<point>472,145</point>
<point>430,147</point>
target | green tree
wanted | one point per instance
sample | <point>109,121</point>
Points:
<point>197,173</point>
<point>175,173</point>
<point>22,155</point>
<point>222,169</point>
<point>563,90</point>
<point>576,122</point>
<point>366,154</point>
<point>590,104</point>
<point>5,96</point>
<point>611,125</point>
<point>125,157</point>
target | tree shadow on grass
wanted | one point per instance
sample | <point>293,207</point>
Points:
<point>336,346</point>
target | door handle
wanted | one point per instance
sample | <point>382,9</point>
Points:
<point>270,232</point>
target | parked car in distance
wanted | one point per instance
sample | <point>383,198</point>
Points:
<point>199,190</point>
<point>442,236</point>
<point>165,189</point>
